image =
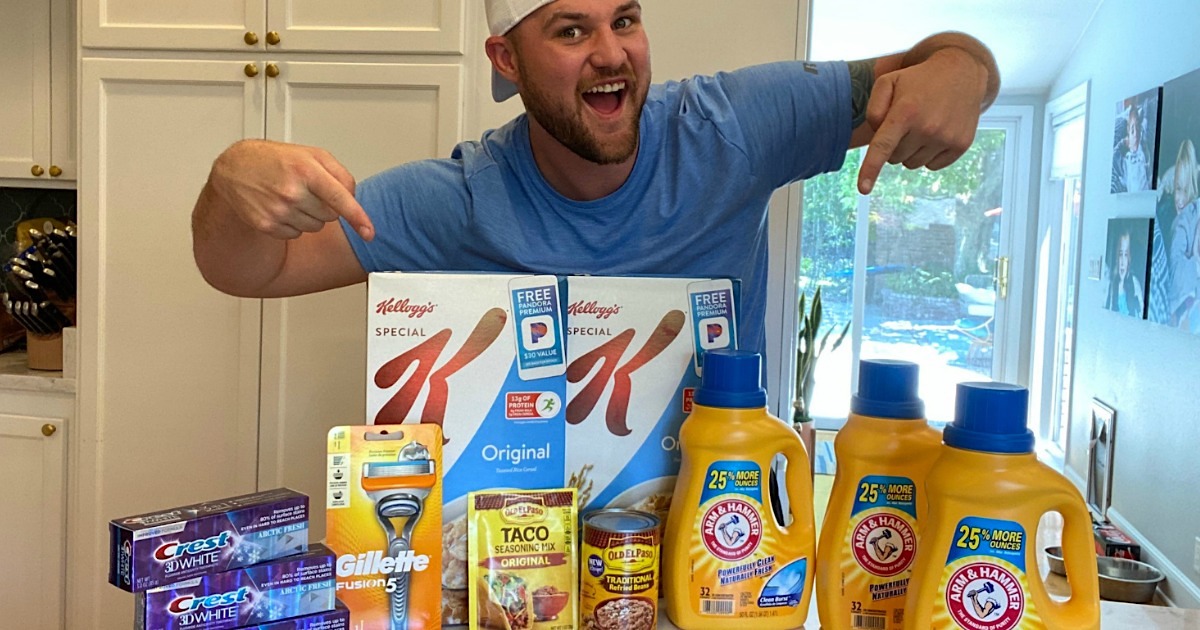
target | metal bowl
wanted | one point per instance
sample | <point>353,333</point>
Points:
<point>1054,555</point>
<point>1121,579</point>
<point>1125,580</point>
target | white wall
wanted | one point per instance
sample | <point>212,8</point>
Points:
<point>1147,372</point>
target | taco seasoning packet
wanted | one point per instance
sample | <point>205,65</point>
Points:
<point>523,559</point>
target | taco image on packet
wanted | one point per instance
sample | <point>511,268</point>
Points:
<point>523,559</point>
<point>505,603</point>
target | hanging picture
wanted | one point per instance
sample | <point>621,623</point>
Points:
<point>1127,266</point>
<point>1175,262</point>
<point>1100,458</point>
<point>1135,142</point>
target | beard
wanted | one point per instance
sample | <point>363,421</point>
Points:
<point>566,125</point>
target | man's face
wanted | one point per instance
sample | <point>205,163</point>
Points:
<point>584,69</point>
<point>1123,255</point>
<point>1133,135</point>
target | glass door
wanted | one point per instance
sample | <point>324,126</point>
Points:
<point>923,269</point>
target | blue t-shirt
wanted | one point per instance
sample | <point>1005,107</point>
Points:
<point>711,152</point>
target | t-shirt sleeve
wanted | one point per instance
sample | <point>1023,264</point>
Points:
<point>792,118</point>
<point>418,210</point>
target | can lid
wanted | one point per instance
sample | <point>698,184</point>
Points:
<point>990,417</point>
<point>620,520</point>
<point>731,379</point>
<point>888,389</point>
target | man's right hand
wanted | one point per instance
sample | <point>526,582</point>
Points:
<point>266,224</point>
<point>284,190</point>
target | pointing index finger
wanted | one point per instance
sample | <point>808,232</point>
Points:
<point>882,145</point>
<point>334,194</point>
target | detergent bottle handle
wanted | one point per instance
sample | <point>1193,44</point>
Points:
<point>799,482</point>
<point>1079,556</point>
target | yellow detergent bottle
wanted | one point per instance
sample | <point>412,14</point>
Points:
<point>976,565</point>
<point>729,563</point>
<point>869,535</point>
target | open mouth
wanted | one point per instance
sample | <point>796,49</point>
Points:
<point>606,98</point>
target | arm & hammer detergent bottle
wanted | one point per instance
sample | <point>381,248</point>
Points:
<point>869,536</point>
<point>729,563</point>
<point>976,565</point>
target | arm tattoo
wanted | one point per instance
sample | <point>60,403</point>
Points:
<point>862,81</point>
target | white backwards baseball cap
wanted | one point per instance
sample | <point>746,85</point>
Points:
<point>502,16</point>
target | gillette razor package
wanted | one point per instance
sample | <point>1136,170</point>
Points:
<point>484,357</point>
<point>635,350</point>
<point>336,619</point>
<point>269,591</point>
<point>169,546</point>
<point>383,510</point>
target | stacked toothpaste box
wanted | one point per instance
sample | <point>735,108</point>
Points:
<point>241,562</point>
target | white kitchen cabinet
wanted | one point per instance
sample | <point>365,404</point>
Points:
<point>169,379</point>
<point>370,26</point>
<point>37,57</point>
<point>33,456</point>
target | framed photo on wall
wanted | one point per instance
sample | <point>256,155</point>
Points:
<point>1127,266</point>
<point>1135,142</point>
<point>1100,458</point>
<point>1175,287</point>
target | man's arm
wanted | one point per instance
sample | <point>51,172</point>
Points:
<point>266,222</point>
<point>921,107</point>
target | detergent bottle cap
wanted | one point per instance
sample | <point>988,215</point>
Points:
<point>731,379</point>
<point>990,417</point>
<point>887,389</point>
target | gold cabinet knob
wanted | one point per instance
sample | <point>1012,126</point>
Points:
<point>272,70</point>
<point>37,170</point>
<point>273,38</point>
<point>251,38</point>
<point>251,70</point>
<point>55,171</point>
<point>49,429</point>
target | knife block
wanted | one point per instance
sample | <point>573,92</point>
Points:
<point>44,352</point>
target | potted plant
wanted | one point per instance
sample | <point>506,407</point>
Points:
<point>811,343</point>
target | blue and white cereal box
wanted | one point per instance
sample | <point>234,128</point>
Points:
<point>634,355</point>
<point>484,356</point>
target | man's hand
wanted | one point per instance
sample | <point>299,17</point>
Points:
<point>925,105</point>
<point>285,190</point>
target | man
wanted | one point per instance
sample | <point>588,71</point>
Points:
<point>605,174</point>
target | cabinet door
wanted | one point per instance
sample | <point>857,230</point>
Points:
<point>168,370</point>
<point>370,117</point>
<point>63,118</point>
<point>384,26</point>
<point>208,25</point>
<point>32,464</point>
<point>25,88</point>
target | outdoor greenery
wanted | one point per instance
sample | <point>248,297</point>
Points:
<point>922,283</point>
<point>831,205</point>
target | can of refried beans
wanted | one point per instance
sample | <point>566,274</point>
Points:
<point>619,585</point>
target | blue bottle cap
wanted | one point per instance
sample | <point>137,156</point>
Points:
<point>990,417</point>
<point>731,379</point>
<point>888,389</point>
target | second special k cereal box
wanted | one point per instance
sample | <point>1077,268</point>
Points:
<point>383,510</point>
<point>634,355</point>
<point>484,357</point>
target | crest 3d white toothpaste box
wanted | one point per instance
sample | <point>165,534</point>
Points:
<point>482,355</point>
<point>169,546</point>
<point>634,355</point>
<point>336,619</point>
<point>270,591</point>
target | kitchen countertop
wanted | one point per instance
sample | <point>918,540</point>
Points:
<point>1113,616</point>
<point>16,375</point>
